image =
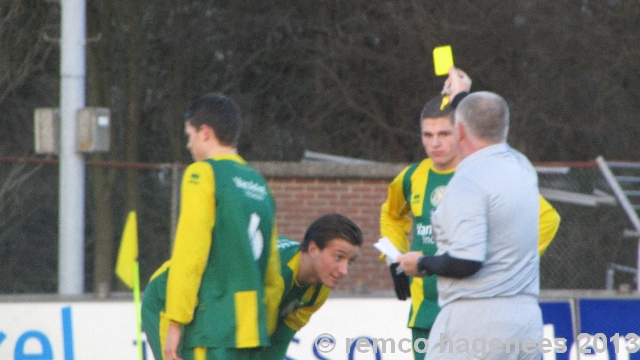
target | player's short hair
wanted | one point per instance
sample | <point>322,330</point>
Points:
<point>220,113</point>
<point>485,114</point>
<point>433,109</point>
<point>329,227</point>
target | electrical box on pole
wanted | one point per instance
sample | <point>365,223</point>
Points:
<point>93,128</point>
<point>46,130</point>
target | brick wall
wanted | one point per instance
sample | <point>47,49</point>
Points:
<point>303,192</point>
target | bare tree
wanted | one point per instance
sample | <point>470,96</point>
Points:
<point>342,77</point>
<point>15,177</point>
<point>26,238</point>
<point>24,27</point>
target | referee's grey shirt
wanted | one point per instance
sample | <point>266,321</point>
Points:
<point>490,213</point>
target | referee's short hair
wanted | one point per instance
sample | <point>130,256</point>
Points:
<point>485,114</point>
<point>329,227</point>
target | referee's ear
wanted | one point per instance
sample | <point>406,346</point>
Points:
<point>462,130</point>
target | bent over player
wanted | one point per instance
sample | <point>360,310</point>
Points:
<point>208,301</point>
<point>310,270</point>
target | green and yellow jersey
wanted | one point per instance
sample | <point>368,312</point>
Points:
<point>417,190</point>
<point>297,302</point>
<point>415,193</point>
<point>225,260</point>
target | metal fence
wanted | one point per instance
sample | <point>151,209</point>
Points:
<point>590,250</point>
<point>29,219</point>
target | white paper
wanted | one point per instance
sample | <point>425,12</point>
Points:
<point>386,247</point>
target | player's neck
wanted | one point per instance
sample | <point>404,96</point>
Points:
<point>306,274</point>
<point>221,150</point>
<point>443,168</point>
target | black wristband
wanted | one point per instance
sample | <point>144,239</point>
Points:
<point>456,99</point>
<point>445,265</point>
<point>421,266</point>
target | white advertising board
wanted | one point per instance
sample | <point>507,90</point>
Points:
<point>106,330</point>
<point>68,331</point>
<point>344,328</point>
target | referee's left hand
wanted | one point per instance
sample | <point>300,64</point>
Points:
<point>409,263</point>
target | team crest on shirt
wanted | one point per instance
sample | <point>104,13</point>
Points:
<point>437,194</point>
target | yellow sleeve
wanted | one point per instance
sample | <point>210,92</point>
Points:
<point>300,317</point>
<point>273,284</point>
<point>549,224</point>
<point>161,270</point>
<point>192,243</point>
<point>394,215</point>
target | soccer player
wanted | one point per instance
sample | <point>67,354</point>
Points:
<point>208,301</point>
<point>309,271</point>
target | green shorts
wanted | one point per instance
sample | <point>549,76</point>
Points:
<point>418,333</point>
<point>154,323</point>
<point>156,326</point>
<point>203,353</point>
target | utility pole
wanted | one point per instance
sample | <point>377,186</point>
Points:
<point>72,167</point>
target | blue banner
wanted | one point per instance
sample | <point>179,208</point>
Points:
<point>610,327</point>
<point>557,317</point>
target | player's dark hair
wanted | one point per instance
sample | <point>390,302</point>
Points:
<point>329,227</point>
<point>433,109</point>
<point>218,112</point>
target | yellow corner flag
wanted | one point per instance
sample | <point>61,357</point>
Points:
<point>128,270</point>
<point>128,254</point>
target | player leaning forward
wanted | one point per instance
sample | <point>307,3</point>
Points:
<point>486,231</point>
<point>310,270</point>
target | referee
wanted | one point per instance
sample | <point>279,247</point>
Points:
<point>486,231</point>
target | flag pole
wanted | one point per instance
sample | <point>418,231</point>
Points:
<point>128,270</point>
<point>136,301</point>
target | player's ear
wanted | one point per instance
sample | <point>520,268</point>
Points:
<point>313,248</point>
<point>208,132</point>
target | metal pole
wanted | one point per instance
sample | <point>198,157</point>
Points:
<point>624,202</point>
<point>611,273</point>
<point>71,191</point>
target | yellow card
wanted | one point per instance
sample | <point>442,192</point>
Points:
<point>442,59</point>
